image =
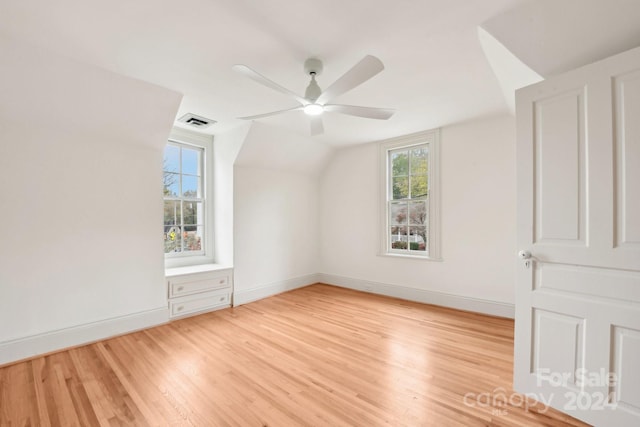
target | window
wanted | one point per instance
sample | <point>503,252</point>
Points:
<point>184,199</point>
<point>409,181</point>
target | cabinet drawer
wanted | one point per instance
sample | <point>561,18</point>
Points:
<point>201,302</point>
<point>196,283</point>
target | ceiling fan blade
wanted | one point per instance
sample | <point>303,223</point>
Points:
<point>368,67</point>
<point>366,112</point>
<point>273,113</point>
<point>255,76</point>
<point>317,128</point>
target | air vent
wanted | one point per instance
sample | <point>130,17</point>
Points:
<point>196,121</point>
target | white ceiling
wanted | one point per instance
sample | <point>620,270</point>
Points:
<point>436,70</point>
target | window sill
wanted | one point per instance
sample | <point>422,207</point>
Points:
<point>191,269</point>
<point>416,257</point>
<point>187,261</point>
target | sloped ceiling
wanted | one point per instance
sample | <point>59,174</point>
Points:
<point>511,72</point>
<point>554,36</point>
<point>436,71</point>
<point>270,147</point>
<point>45,92</point>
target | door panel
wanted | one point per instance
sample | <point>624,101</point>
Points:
<point>560,168</point>
<point>558,343</point>
<point>577,341</point>
<point>588,281</point>
<point>627,147</point>
<point>625,357</point>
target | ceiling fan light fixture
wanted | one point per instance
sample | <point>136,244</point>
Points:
<point>313,109</point>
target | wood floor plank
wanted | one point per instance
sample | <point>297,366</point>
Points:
<point>316,356</point>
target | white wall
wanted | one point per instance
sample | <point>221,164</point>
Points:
<point>226,147</point>
<point>276,212</point>
<point>276,232</point>
<point>81,167</point>
<point>478,221</point>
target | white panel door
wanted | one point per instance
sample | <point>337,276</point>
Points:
<point>577,338</point>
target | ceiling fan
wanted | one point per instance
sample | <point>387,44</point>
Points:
<point>316,101</point>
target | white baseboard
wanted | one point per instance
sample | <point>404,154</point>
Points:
<point>245,296</point>
<point>420,295</point>
<point>23,348</point>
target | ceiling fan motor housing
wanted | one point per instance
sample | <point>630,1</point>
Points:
<point>313,66</point>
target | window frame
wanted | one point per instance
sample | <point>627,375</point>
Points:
<point>205,255</point>
<point>432,139</point>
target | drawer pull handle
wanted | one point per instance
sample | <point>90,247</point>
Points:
<point>221,281</point>
<point>180,288</point>
<point>222,298</point>
<point>180,308</point>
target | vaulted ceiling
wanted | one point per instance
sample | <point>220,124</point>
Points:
<point>437,70</point>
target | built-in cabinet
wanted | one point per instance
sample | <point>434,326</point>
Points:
<point>194,290</point>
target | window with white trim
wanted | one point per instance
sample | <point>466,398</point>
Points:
<point>409,185</point>
<point>184,199</point>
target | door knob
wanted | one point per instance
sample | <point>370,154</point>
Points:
<point>524,255</point>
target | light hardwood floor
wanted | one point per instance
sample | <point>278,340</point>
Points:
<point>316,356</point>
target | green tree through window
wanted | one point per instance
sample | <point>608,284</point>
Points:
<point>408,204</point>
